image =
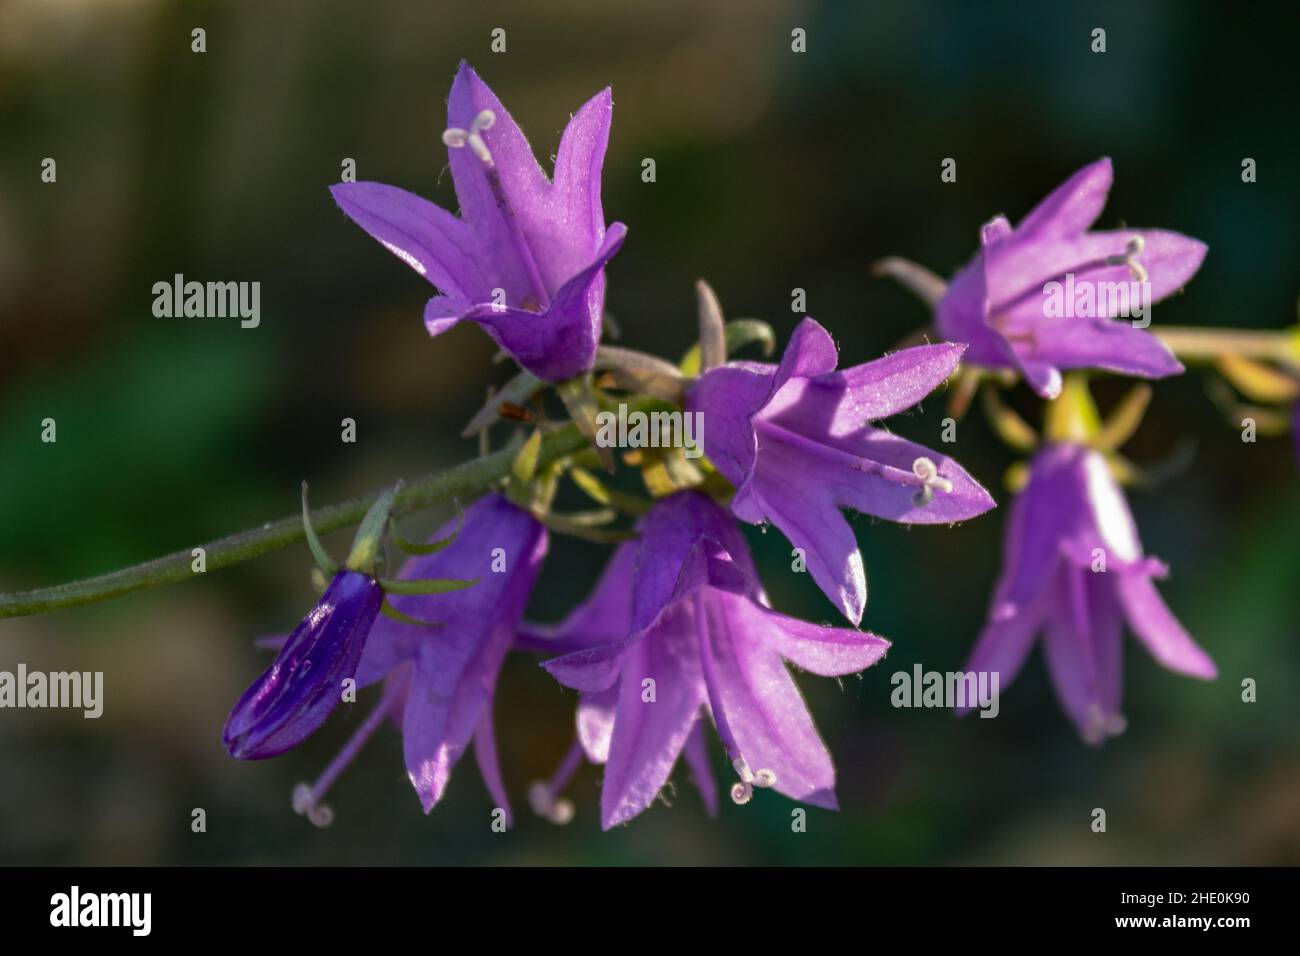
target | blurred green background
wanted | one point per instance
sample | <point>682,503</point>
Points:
<point>775,170</point>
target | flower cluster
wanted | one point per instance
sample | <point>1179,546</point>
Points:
<point>678,633</point>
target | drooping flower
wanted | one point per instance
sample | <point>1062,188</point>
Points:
<point>795,441</point>
<point>1074,570</point>
<point>294,696</point>
<point>1006,302</point>
<point>525,259</point>
<point>290,701</point>
<point>686,631</point>
<point>440,680</point>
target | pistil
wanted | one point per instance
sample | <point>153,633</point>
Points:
<point>457,138</point>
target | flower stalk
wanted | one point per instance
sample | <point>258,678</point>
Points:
<point>464,481</point>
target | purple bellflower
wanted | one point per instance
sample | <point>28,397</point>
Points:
<point>1074,569</point>
<point>439,681</point>
<point>794,439</point>
<point>1004,303</point>
<point>679,626</point>
<point>525,259</point>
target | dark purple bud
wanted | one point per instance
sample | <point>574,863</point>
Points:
<point>293,697</point>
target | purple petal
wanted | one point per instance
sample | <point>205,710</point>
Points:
<point>561,341</point>
<point>697,758</point>
<point>759,711</point>
<point>595,719</point>
<point>489,763</point>
<point>1157,628</point>
<point>649,734</point>
<point>591,669</point>
<point>1072,206</point>
<point>1052,505</point>
<point>813,523</point>
<point>605,617</point>
<point>295,695</point>
<point>456,665</point>
<point>825,651</point>
<point>1004,645</point>
<point>523,182</point>
<point>1019,270</point>
<point>1113,345</point>
<point>427,238</point>
<point>810,351</point>
<point>728,397</point>
<point>841,403</point>
<point>1084,655</point>
<point>578,165</point>
<point>870,471</point>
<point>670,537</point>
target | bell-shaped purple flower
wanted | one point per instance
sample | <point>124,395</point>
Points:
<point>1045,295</point>
<point>290,701</point>
<point>1074,570</point>
<point>686,630</point>
<point>794,439</point>
<point>525,259</point>
<point>439,680</point>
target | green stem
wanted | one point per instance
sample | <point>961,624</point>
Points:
<point>1206,345</point>
<point>463,481</point>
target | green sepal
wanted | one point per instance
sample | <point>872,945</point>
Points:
<point>433,547</point>
<point>1124,419</point>
<point>739,333</point>
<point>598,492</point>
<point>585,525</point>
<point>524,467</point>
<point>583,406</point>
<point>388,610</point>
<point>1009,426</point>
<point>427,585</point>
<point>323,559</point>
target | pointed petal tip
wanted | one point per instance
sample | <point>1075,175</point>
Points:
<point>824,798</point>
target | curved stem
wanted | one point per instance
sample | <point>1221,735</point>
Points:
<point>463,481</point>
<point>1207,344</point>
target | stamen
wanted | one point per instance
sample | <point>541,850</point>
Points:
<point>931,481</point>
<point>1132,249</point>
<point>743,790</point>
<point>544,795</point>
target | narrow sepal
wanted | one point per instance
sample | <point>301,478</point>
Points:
<point>427,585</point>
<point>387,610</point>
<point>323,560</point>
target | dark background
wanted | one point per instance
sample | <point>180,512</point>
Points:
<point>775,170</point>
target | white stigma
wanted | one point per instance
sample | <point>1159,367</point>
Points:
<point>305,805</point>
<point>1102,725</point>
<point>928,474</point>
<point>1132,249</point>
<point>743,790</point>
<point>548,806</point>
<point>456,138</point>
